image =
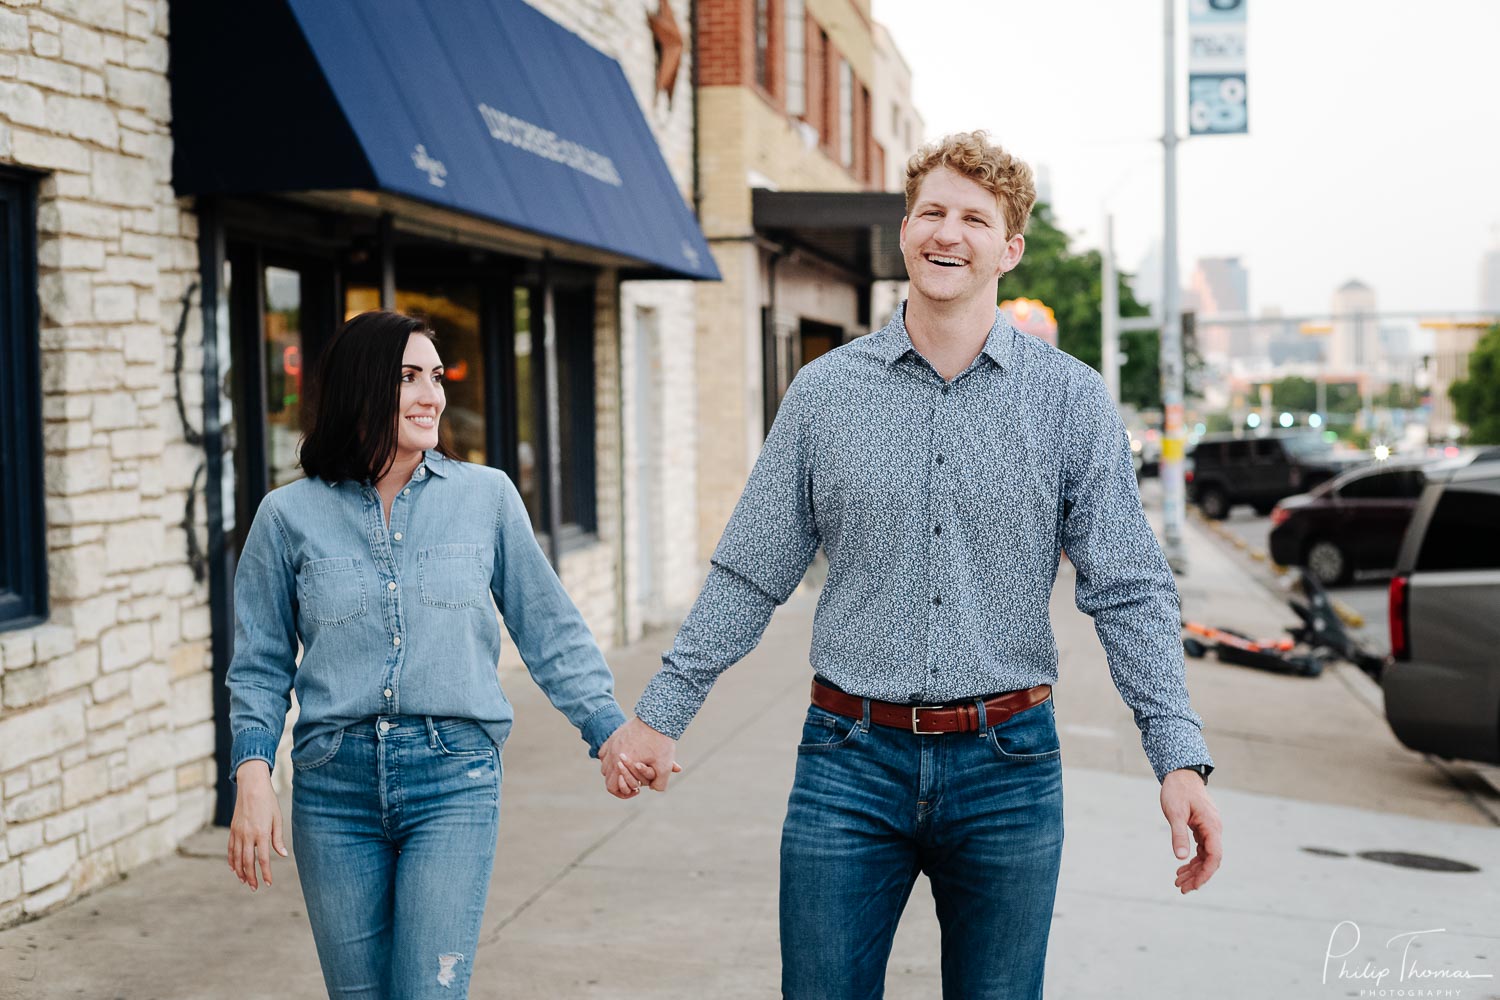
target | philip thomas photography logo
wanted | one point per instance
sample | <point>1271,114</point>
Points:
<point>1376,978</point>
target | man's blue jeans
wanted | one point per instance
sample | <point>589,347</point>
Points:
<point>394,823</point>
<point>980,813</point>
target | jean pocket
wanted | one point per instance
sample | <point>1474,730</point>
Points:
<point>1027,737</point>
<point>466,739</point>
<point>330,591</point>
<point>452,576</point>
<point>824,730</point>
<point>318,751</point>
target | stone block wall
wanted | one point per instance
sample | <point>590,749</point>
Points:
<point>106,733</point>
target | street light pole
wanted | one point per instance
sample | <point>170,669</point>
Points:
<point>1109,313</point>
<point>1174,503</point>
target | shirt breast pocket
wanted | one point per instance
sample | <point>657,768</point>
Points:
<point>453,576</point>
<point>331,591</point>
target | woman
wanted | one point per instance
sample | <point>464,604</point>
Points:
<point>382,563</point>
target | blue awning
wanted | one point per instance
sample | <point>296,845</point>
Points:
<point>483,106</point>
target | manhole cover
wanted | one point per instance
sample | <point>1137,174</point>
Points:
<point>1421,862</point>
<point>1326,852</point>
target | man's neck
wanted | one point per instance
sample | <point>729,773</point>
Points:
<point>949,335</point>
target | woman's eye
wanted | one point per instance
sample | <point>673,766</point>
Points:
<point>438,377</point>
<point>406,376</point>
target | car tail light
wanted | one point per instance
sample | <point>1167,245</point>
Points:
<point>1399,588</point>
<point>1278,515</point>
<point>1187,475</point>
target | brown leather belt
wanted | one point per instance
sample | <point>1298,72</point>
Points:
<point>931,720</point>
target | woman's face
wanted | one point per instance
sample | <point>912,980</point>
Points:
<point>422,397</point>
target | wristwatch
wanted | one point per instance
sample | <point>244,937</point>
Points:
<point>1201,770</point>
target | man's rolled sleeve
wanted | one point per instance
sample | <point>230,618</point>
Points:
<point>1124,582</point>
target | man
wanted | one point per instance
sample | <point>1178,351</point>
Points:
<point>943,464</point>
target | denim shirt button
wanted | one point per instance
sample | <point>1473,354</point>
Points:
<point>387,692</point>
<point>395,640</point>
<point>397,536</point>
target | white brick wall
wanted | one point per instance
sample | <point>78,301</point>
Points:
<point>103,761</point>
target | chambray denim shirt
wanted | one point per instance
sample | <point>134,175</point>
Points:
<point>943,508</point>
<point>398,619</point>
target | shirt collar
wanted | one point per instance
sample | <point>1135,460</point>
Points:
<point>432,462</point>
<point>893,343</point>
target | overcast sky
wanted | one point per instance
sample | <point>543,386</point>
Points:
<point>1373,151</point>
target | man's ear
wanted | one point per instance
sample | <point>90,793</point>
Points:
<point>1015,247</point>
<point>902,240</point>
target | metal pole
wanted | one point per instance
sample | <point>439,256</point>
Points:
<point>1109,313</point>
<point>1174,508</point>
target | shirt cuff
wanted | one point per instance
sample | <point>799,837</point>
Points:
<point>601,726</point>
<point>252,744</point>
<point>668,705</point>
<point>1174,743</point>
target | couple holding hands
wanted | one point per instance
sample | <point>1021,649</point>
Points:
<point>943,464</point>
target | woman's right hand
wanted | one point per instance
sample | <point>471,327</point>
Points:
<point>256,828</point>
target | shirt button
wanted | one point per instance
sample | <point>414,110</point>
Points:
<point>387,692</point>
<point>385,727</point>
<point>939,462</point>
<point>937,530</point>
<point>947,389</point>
<point>937,602</point>
<point>395,640</point>
<point>391,585</point>
<point>406,492</point>
<point>397,535</point>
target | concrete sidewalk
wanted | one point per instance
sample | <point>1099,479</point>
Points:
<point>675,896</point>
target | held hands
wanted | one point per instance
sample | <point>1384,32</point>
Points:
<point>256,828</point>
<point>1187,806</point>
<point>637,755</point>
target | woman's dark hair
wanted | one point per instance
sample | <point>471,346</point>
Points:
<point>354,398</point>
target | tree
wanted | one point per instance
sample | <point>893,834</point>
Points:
<point>1476,399</point>
<point>1071,283</point>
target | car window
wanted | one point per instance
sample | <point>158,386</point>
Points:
<point>1236,451</point>
<point>1307,447</point>
<point>1378,486</point>
<point>1462,532</point>
<point>1267,451</point>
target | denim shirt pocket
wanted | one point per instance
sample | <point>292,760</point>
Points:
<point>453,576</point>
<point>331,591</point>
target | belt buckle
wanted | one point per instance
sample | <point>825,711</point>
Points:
<point>923,732</point>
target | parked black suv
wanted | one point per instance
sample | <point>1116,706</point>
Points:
<point>1259,471</point>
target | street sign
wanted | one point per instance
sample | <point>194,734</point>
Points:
<point>1217,96</point>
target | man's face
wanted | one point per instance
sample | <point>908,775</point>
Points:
<point>954,240</point>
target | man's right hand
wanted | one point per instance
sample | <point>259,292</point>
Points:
<point>256,828</point>
<point>637,754</point>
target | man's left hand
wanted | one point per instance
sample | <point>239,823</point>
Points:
<point>1186,804</point>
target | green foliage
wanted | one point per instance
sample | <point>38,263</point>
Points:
<point>1070,283</point>
<point>1300,395</point>
<point>1476,399</point>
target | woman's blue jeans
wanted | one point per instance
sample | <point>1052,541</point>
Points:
<point>980,813</point>
<point>394,822</point>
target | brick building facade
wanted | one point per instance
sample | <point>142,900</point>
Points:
<point>108,718</point>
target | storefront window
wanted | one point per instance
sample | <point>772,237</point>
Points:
<point>23,538</point>
<point>528,443</point>
<point>282,342</point>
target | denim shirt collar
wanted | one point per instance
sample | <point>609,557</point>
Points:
<point>894,342</point>
<point>432,462</point>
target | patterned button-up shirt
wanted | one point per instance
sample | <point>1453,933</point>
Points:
<point>943,508</point>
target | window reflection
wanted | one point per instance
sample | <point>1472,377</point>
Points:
<point>527,442</point>
<point>282,340</point>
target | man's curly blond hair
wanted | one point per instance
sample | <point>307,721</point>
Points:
<point>972,155</point>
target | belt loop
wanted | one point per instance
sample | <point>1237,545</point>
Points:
<point>431,732</point>
<point>864,723</point>
<point>983,723</point>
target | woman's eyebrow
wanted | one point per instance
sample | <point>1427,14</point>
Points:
<point>418,368</point>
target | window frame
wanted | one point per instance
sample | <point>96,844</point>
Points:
<point>23,524</point>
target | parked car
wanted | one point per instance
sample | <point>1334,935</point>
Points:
<point>1352,523</point>
<point>1442,686</point>
<point>1260,471</point>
